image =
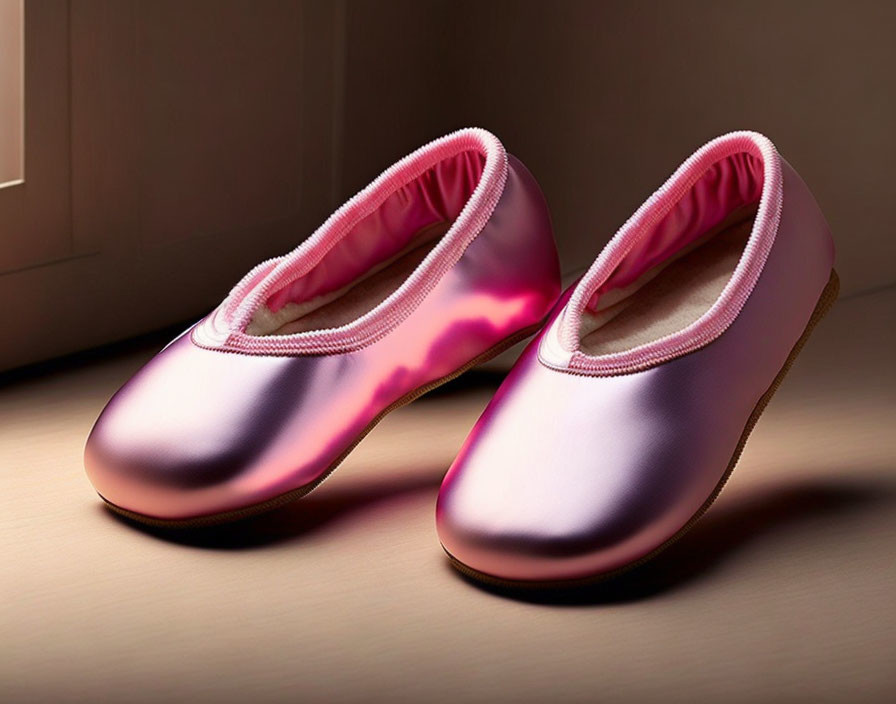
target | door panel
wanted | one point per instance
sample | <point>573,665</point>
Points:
<point>12,109</point>
<point>35,214</point>
<point>169,147</point>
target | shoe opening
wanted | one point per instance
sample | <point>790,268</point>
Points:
<point>676,265</point>
<point>367,263</point>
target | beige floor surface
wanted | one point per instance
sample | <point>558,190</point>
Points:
<point>783,592</point>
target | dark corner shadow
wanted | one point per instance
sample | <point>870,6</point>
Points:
<point>716,537</point>
<point>474,379</point>
<point>327,504</point>
<point>146,344</point>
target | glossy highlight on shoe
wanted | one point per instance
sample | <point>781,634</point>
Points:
<point>441,262</point>
<point>622,420</point>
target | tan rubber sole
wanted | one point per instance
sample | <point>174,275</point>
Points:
<point>828,296</point>
<point>277,501</point>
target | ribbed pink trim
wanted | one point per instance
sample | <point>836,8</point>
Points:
<point>726,308</point>
<point>225,328</point>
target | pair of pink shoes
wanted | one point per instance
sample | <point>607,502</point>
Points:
<point>612,434</point>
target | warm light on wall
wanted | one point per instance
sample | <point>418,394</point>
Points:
<point>12,103</point>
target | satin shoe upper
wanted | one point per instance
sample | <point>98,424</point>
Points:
<point>622,418</point>
<point>445,256</point>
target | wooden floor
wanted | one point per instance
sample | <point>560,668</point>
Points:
<point>785,591</point>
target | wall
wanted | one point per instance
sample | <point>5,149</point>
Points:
<point>603,100</point>
<point>170,146</point>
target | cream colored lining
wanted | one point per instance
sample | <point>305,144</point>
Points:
<point>354,300</point>
<point>670,296</point>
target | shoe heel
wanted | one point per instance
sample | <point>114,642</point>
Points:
<point>825,302</point>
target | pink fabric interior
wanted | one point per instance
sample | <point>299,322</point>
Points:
<point>729,184</point>
<point>437,195</point>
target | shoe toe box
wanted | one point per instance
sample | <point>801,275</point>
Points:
<point>188,434</point>
<point>567,478</point>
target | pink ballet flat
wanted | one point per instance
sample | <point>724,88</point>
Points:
<point>442,262</point>
<point>621,422</point>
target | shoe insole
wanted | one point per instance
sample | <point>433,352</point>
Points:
<point>367,293</point>
<point>674,298</point>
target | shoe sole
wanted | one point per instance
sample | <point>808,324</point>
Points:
<point>294,494</point>
<point>828,296</point>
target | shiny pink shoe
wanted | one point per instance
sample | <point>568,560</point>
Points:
<point>621,422</point>
<point>442,262</point>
